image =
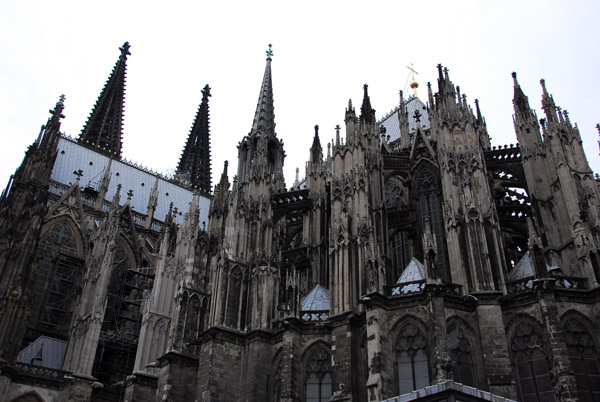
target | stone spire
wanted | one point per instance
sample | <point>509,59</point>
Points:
<point>264,118</point>
<point>367,113</point>
<point>548,104</point>
<point>520,101</point>
<point>316,151</point>
<point>104,127</point>
<point>194,164</point>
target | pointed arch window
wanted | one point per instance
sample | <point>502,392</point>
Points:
<point>460,352</point>
<point>60,264</point>
<point>531,364</point>
<point>430,213</point>
<point>318,376</point>
<point>412,365</point>
<point>583,356</point>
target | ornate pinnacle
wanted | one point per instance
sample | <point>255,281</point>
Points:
<point>417,116</point>
<point>205,92</point>
<point>269,52</point>
<point>125,50</point>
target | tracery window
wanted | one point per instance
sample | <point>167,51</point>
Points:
<point>60,264</point>
<point>531,364</point>
<point>460,352</point>
<point>401,248</point>
<point>318,376</point>
<point>430,211</point>
<point>584,360</point>
<point>412,366</point>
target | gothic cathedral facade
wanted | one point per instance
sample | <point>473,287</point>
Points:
<point>413,259</point>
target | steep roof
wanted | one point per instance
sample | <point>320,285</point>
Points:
<point>412,104</point>
<point>316,300</point>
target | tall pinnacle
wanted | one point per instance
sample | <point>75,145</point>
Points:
<point>520,101</point>
<point>264,118</point>
<point>104,128</point>
<point>194,165</point>
<point>367,113</point>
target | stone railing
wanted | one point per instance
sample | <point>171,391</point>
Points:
<point>315,315</point>
<point>523,285</point>
<point>560,282</point>
<point>405,288</point>
<point>39,371</point>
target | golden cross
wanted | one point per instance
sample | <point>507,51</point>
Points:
<point>414,85</point>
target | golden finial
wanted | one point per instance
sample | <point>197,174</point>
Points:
<point>414,85</point>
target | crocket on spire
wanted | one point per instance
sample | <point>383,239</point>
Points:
<point>194,164</point>
<point>104,127</point>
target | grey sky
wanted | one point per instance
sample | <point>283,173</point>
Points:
<point>323,53</point>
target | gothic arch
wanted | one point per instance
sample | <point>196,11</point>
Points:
<point>583,354</point>
<point>69,224</point>
<point>531,359</point>
<point>462,339</point>
<point>308,349</point>
<point>412,355</point>
<point>316,362</point>
<point>60,267</point>
<point>30,396</point>
<point>395,329</point>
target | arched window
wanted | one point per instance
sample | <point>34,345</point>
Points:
<point>430,213</point>
<point>412,366</point>
<point>584,360</point>
<point>401,250</point>
<point>60,264</point>
<point>531,364</point>
<point>318,376</point>
<point>460,351</point>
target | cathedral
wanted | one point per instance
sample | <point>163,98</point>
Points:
<point>415,261</point>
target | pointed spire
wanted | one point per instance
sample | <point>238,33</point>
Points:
<point>224,183</point>
<point>367,113</point>
<point>316,151</point>
<point>548,104</point>
<point>49,134</point>
<point>194,164</point>
<point>520,101</point>
<point>264,118</point>
<point>104,128</point>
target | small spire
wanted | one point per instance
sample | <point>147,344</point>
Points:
<point>129,194</point>
<point>104,127</point>
<point>117,196</point>
<point>316,151</point>
<point>520,101</point>
<point>548,103</point>
<point>337,134</point>
<point>477,110</point>
<point>269,52</point>
<point>367,113</point>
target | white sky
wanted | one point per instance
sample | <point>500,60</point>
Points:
<point>324,51</point>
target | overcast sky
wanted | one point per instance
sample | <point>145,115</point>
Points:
<point>323,54</point>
